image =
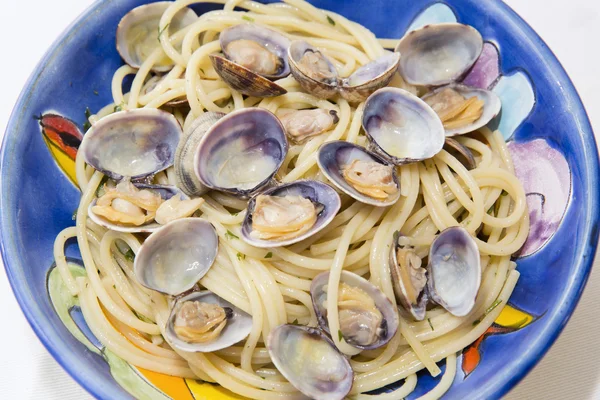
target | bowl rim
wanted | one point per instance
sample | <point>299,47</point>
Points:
<point>502,382</point>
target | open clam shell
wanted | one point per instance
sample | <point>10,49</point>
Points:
<point>315,73</point>
<point>408,280</point>
<point>454,271</point>
<point>370,77</point>
<point>185,175</point>
<point>138,30</point>
<point>317,192</point>
<point>309,360</point>
<point>439,54</point>
<point>174,258</point>
<point>237,328</point>
<point>247,79</point>
<point>165,191</point>
<point>135,143</point>
<point>401,127</point>
<point>461,153</point>
<point>241,152</point>
<point>361,331</point>
<point>332,157</point>
<point>491,108</point>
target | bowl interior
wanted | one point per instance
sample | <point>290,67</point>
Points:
<point>547,127</point>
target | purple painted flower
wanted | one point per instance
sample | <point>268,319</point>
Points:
<point>546,177</point>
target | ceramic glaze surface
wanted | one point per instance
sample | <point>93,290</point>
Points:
<point>542,118</point>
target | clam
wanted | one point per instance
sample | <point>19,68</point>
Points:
<point>137,33</point>
<point>135,144</point>
<point>204,322</point>
<point>185,175</point>
<point>367,318</point>
<point>463,109</point>
<point>309,360</point>
<point>408,279</point>
<point>136,207</point>
<point>252,56</point>
<point>303,125</point>
<point>461,153</point>
<point>454,271</point>
<point>401,127</point>
<point>289,213</point>
<point>439,54</point>
<point>241,152</point>
<point>174,258</point>
<point>318,76</point>
<point>156,80</point>
<point>359,173</point>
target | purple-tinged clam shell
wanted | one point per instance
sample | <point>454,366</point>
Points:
<point>439,54</point>
<point>491,108</point>
<point>401,127</point>
<point>241,152</point>
<point>238,327</point>
<point>174,258</point>
<point>333,156</point>
<point>384,332</point>
<point>138,29</point>
<point>454,271</point>
<point>165,191</point>
<point>318,192</point>
<point>546,178</point>
<point>324,375</point>
<point>135,143</point>
<point>246,80</point>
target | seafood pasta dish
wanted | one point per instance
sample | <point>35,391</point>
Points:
<point>279,203</point>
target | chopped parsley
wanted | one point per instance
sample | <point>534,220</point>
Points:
<point>269,255</point>
<point>489,310</point>
<point>241,256</point>
<point>201,70</point>
<point>96,93</point>
<point>247,18</point>
<point>340,336</point>
<point>161,31</point>
<point>100,189</point>
<point>87,125</point>
<point>119,107</point>
<point>230,235</point>
<point>295,322</point>
<point>330,20</point>
<point>130,255</point>
<point>430,324</point>
<point>74,216</point>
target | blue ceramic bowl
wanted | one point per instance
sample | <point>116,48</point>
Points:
<point>543,118</point>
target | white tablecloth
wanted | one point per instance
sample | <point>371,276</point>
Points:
<point>571,370</point>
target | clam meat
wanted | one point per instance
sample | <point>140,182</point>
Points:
<point>252,56</point>
<point>283,217</point>
<point>359,173</point>
<point>204,322</point>
<point>289,213</point>
<point>463,109</point>
<point>367,318</point>
<point>409,279</point>
<point>302,125</point>
<point>317,74</point>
